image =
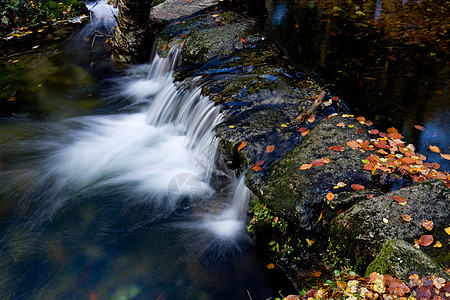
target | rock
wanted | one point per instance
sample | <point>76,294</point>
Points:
<point>203,36</point>
<point>300,195</point>
<point>77,9</point>
<point>398,258</point>
<point>362,230</point>
<point>169,10</point>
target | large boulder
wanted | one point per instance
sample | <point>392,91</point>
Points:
<point>168,10</point>
<point>399,258</point>
<point>361,231</point>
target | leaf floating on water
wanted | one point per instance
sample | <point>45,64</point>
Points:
<point>447,230</point>
<point>434,149</point>
<point>357,187</point>
<point>270,148</point>
<point>330,196</point>
<point>400,200</point>
<point>374,131</point>
<point>270,266</point>
<point>418,127</point>
<point>426,240</point>
<point>302,129</point>
<point>428,225</point>
<point>242,145</point>
<point>305,166</point>
<point>337,148</point>
<point>445,156</point>
<point>405,217</point>
<point>15,61</point>
<point>312,118</point>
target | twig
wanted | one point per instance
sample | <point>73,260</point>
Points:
<point>249,295</point>
<point>302,117</point>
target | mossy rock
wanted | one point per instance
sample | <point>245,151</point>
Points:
<point>399,258</point>
<point>362,230</point>
<point>77,9</point>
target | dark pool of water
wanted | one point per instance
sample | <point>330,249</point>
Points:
<point>388,60</point>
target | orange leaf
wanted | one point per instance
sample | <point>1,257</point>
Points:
<point>434,149</point>
<point>406,218</point>
<point>305,132</point>
<point>374,131</point>
<point>259,162</point>
<point>312,118</point>
<point>368,123</point>
<point>369,196</point>
<point>242,145</point>
<point>270,266</point>
<point>357,187</point>
<point>335,98</point>
<point>353,144</point>
<point>325,160</point>
<point>399,199</point>
<point>360,119</point>
<point>392,130</point>
<point>302,129</point>
<point>243,40</point>
<point>270,148</point>
<point>418,127</point>
<point>337,148</point>
<point>426,240</point>
<point>340,124</point>
<point>320,217</point>
<point>445,156</point>
<point>183,35</point>
<point>330,196</point>
<point>316,273</point>
<point>318,162</point>
<point>257,168</point>
<point>359,130</point>
<point>305,166</point>
<point>428,225</point>
<point>164,47</point>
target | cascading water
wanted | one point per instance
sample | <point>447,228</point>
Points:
<point>118,205</point>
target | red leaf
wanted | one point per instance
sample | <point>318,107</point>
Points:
<point>317,162</point>
<point>302,129</point>
<point>374,131</point>
<point>242,145</point>
<point>357,187</point>
<point>243,40</point>
<point>426,240</point>
<point>399,199</point>
<point>418,127</point>
<point>335,98</point>
<point>337,148</point>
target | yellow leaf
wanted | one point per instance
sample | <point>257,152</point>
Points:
<point>284,125</point>
<point>231,126</point>
<point>447,230</point>
<point>310,242</point>
<point>437,245</point>
<point>15,61</point>
<point>242,145</point>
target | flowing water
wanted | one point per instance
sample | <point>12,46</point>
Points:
<point>113,200</point>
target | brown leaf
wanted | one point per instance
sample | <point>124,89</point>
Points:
<point>242,145</point>
<point>357,187</point>
<point>270,148</point>
<point>359,130</point>
<point>317,162</point>
<point>302,129</point>
<point>316,273</point>
<point>406,218</point>
<point>418,127</point>
<point>360,119</point>
<point>392,130</point>
<point>428,225</point>
<point>337,148</point>
<point>305,166</point>
<point>374,131</point>
<point>426,240</point>
<point>330,196</point>
<point>400,200</point>
<point>434,149</point>
<point>368,123</point>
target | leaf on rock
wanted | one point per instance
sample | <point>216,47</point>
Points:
<point>312,118</point>
<point>305,132</point>
<point>330,196</point>
<point>447,230</point>
<point>340,124</point>
<point>341,184</point>
<point>242,145</point>
<point>428,225</point>
<point>434,149</point>
<point>437,244</point>
<point>302,129</point>
<point>270,148</point>
<point>407,218</point>
<point>426,240</point>
<point>316,274</point>
<point>400,200</point>
<point>353,144</point>
<point>445,156</point>
<point>305,166</point>
<point>317,162</point>
<point>337,148</point>
<point>243,40</point>
<point>357,187</point>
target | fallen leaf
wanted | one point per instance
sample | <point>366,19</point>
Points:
<point>310,242</point>
<point>445,156</point>
<point>316,273</point>
<point>392,130</point>
<point>337,148</point>
<point>406,218</point>
<point>340,124</point>
<point>368,123</point>
<point>312,118</point>
<point>360,119</point>
<point>418,127</point>
<point>437,244</point>
<point>447,230</point>
<point>183,35</point>
<point>284,125</point>
<point>325,160</point>
<point>330,196</point>
<point>305,132</point>
<point>291,297</point>
<point>434,149</point>
<point>400,200</point>
<point>302,129</point>
<point>374,131</point>
<point>15,61</point>
<point>359,130</point>
<point>270,148</point>
<point>257,168</point>
<point>385,220</point>
<point>242,145</point>
<point>369,196</point>
<point>321,216</point>
<point>305,166</point>
<point>270,266</point>
<point>317,162</point>
<point>341,184</point>
<point>259,163</point>
<point>428,225</point>
<point>243,40</point>
<point>357,187</point>
<point>426,240</point>
<point>164,47</point>
<point>231,126</point>
<point>353,144</point>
